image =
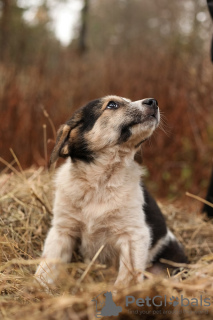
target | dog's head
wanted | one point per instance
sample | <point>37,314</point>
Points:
<point>105,123</point>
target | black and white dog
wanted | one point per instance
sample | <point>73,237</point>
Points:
<point>100,199</point>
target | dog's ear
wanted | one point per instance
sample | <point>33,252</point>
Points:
<point>64,134</point>
<point>59,149</point>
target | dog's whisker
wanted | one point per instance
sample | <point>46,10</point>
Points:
<point>165,130</point>
<point>163,121</point>
<point>163,125</point>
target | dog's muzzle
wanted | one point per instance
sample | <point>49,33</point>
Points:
<point>153,107</point>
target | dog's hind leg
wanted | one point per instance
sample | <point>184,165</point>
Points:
<point>172,251</point>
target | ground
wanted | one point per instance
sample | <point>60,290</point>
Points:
<point>25,215</point>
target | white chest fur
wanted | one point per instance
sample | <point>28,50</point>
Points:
<point>99,208</point>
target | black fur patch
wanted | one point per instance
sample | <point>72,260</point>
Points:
<point>154,217</point>
<point>79,149</point>
<point>125,134</point>
<point>173,251</point>
<point>90,113</point>
<point>126,130</point>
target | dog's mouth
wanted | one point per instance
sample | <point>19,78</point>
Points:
<point>151,113</point>
<point>154,115</point>
<point>150,118</point>
<point>145,118</point>
<point>149,123</point>
<point>139,143</point>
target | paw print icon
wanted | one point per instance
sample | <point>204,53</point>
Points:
<point>174,301</point>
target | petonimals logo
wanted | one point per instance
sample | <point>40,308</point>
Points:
<point>107,308</point>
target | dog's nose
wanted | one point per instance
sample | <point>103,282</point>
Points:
<point>151,102</point>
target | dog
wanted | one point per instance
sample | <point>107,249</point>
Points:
<point>100,198</point>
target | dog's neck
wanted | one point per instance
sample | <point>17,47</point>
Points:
<point>107,166</point>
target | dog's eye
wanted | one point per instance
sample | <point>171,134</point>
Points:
<point>112,105</point>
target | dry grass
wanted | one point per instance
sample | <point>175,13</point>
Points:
<point>25,207</point>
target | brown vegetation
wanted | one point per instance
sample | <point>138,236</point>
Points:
<point>182,89</point>
<point>140,50</point>
<point>25,207</point>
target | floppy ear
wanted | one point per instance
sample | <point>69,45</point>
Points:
<point>60,149</point>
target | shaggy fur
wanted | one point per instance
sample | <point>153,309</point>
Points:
<point>99,197</point>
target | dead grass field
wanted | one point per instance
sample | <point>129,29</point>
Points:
<point>25,215</point>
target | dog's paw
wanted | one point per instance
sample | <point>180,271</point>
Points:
<point>44,283</point>
<point>45,275</point>
<point>123,282</point>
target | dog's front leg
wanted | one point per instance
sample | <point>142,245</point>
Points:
<point>133,258</point>
<point>58,248</point>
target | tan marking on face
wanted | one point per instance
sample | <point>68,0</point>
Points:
<point>105,131</point>
<point>126,99</point>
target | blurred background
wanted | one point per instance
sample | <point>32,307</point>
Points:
<point>57,55</point>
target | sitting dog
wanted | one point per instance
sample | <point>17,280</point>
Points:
<point>100,199</point>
